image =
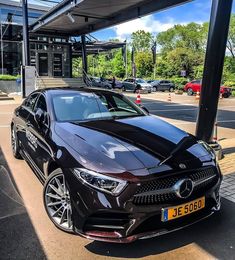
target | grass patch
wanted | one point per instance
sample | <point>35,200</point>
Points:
<point>8,77</point>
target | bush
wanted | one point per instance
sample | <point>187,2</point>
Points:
<point>230,84</point>
<point>8,77</point>
<point>179,82</point>
<point>233,93</point>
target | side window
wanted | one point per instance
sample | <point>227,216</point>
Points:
<point>41,103</point>
<point>122,105</point>
<point>30,101</point>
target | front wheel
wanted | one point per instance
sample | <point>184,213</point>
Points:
<point>171,89</point>
<point>15,143</point>
<point>154,88</point>
<point>190,92</point>
<point>57,201</point>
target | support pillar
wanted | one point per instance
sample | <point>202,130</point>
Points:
<point>84,56</point>
<point>213,68</point>
<point>26,57</point>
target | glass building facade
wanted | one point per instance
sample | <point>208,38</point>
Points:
<point>51,55</point>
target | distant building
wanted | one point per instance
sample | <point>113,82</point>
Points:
<point>50,54</point>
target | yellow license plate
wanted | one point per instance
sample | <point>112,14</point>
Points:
<point>183,209</point>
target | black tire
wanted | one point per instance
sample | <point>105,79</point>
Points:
<point>190,92</point>
<point>47,199</point>
<point>171,89</point>
<point>225,95</point>
<point>15,143</point>
<point>155,88</point>
<point>123,88</point>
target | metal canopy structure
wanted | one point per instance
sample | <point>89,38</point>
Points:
<point>96,47</point>
<point>77,17</point>
<point>80,17</point>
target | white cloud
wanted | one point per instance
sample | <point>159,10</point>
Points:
<point>147,23</point>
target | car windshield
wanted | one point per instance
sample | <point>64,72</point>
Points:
<point>83,106</point>
<point>140,81</point>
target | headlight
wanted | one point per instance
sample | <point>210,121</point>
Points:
<point>208,149</point>
<point>99,181</point>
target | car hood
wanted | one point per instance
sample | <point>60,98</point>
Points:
<point>131,144</point>
<point>144,85</point>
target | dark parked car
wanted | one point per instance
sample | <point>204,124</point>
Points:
<point>100,83</point>
<point>162,85</point>
<point>136,84</point>
<point>111,171</point>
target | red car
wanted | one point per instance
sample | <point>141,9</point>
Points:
<point>195,86</point>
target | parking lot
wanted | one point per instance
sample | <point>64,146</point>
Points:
<point>27,233</point>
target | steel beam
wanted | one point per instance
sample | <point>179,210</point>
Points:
<point>25,32</point>
<point>84,55</point>
<point>213,68</point>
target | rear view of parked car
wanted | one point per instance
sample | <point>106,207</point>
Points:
<point>194,86</point>
<point>162,85</point>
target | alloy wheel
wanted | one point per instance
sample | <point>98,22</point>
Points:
<point>57,202</point>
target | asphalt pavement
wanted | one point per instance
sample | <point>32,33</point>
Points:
<point>27,233</point>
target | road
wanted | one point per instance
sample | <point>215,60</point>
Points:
<point>27,233</point>
<point>182,111</point>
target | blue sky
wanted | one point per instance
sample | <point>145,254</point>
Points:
<point>195,11</point>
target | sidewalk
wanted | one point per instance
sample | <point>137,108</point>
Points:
<point>227,166</point>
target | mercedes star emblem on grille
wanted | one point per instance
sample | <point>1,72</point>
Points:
<point>183,188</point>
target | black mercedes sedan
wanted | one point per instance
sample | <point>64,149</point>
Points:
<point>111,171</point>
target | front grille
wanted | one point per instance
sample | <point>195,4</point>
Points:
<point>167,182</point>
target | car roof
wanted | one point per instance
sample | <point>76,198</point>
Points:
<point>58,90</point>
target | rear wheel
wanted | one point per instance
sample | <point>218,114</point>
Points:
<point>225,95</point>
<point>154,88</point>
<point>15,143</point>
<point>171,89</point>
<point>57,201</point>
<point>190,92</point>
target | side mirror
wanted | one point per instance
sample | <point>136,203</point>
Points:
<point>39,116</point>
<point>145,109</point>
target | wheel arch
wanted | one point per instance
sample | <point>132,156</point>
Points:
<point>52,165</point>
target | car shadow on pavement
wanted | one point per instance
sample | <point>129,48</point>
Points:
<point>18,239</point>
<point>215,235</point>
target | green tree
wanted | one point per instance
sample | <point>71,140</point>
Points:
<point>144,64</point>
<point>192,36</point>
<point>142,40</point>
<point>231,36</point>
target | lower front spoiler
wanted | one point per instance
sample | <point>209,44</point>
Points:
<point>115,237</point>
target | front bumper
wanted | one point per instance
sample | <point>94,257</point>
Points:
<point>103,217</point>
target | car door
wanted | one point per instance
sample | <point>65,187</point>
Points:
<point>167,85</point>
<point>39,149</point>
<point>161,85</point>
<point>21,118</point>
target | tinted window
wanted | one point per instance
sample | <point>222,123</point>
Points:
<point>30,101</point>
<point>76,106</point>
<point>41,103</point>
